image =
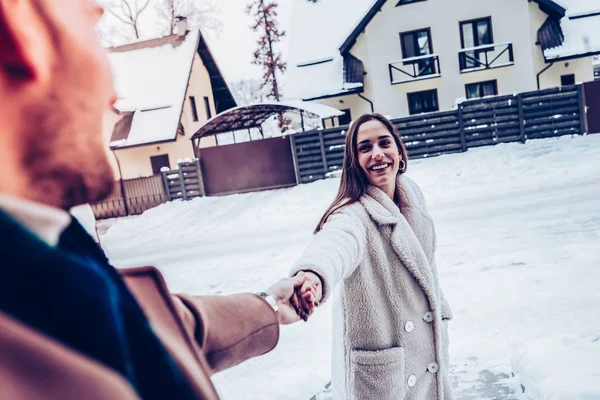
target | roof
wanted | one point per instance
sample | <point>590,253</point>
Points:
<point>316,68</point>
<point>580,8</point>
<point>574,34</point>
<point>366,19</point>
<point>254,115</point>
<point>552,8</point>
<point>151,80</point>
<point>581,39</point>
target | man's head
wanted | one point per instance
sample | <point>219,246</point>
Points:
<point>55,86</point>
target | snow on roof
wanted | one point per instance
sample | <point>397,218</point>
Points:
<point>320,110</point>
<point>316,33</point>
<point>578,8</point>
<point>315,80</point>
<point>152,81</point>
<point>582,36</point>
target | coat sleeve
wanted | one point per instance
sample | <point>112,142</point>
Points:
<point>230,329</point>
<point>335,251</point>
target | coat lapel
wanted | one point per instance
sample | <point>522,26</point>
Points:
<point>412,236</point>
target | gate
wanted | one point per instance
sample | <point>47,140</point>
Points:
<point>248,166</point>
<point>592,103</point>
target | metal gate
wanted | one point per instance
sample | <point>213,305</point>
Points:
<point>249,166</point>
<point>592,103</point>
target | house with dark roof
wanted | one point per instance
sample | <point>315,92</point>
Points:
<point>403,57</point>
<point>167,89</point>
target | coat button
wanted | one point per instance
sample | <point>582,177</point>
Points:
<point>433,368</point>
<point>409,326</point>
<point>428,317</point>
<point>412,380</point>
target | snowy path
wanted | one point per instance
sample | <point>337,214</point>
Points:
<point>519,256</point>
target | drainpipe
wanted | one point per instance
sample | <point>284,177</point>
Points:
<point>368,101</point>
<point>541,72</point>
<point>121,183</point>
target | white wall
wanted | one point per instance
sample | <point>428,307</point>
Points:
<point>513,21</point>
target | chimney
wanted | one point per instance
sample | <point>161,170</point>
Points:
<point>181,25</point>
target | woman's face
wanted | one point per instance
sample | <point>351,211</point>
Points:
<point>378,155</point>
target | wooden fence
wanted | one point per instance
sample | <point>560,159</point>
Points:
<point>185,182</point>
<point>132,198</point>
<point>482,122</point>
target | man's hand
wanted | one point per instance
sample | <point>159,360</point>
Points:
<point>284,293</point>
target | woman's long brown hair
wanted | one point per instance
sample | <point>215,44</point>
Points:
<point>354,183</point>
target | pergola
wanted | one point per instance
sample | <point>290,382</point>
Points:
<point>253,116</point>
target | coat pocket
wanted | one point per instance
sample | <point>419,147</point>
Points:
<point>377,374</point>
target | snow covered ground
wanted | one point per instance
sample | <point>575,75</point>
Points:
<point>518,257</point>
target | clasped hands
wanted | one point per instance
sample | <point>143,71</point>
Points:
<point>297,297</point>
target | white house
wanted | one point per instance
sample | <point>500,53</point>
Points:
<point>402,57</point>
<point>167,89</point>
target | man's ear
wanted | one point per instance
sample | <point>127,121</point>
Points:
<point>24,41</point>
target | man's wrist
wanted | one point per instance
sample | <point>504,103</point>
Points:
<point>270,300</point>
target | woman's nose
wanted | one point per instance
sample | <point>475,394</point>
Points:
<point>377,153</point>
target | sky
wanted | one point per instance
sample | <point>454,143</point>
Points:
<point>233,48</point>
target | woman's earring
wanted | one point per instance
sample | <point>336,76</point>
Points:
<point>402,166</point>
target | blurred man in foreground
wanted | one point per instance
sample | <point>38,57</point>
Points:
<point>71,326</point>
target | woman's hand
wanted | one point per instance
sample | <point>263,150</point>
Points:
<point>309,295</point>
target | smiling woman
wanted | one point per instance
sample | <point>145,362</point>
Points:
<point>373,154</point>
<point>376,242</point>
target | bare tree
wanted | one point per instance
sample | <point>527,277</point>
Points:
<point>128,12</point>
<point>248,91</point>
<point>271,60</point>
<point>199,14</point>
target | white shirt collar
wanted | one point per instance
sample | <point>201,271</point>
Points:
<point>44,221</point>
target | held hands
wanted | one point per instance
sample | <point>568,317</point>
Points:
<point>308,295</point>
<point>296,297</point>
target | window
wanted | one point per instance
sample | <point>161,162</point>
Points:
<point>207,107</point>
<point>481,89</point>
<point>158,162</point>
<point>194,109</point>
<point>418,43</point>
<point>346,118</point>
<point>403,2</point>
<point>566,80</point>
<point>475,33</point>
<point>420,102</point>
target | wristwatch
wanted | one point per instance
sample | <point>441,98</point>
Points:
<point>269,299</point>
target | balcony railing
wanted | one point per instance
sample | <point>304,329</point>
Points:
<point>488,56</point>
<point>414,69</point>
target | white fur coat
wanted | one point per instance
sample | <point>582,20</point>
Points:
<point>390,333</point>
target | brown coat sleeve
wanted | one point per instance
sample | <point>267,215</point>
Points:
<point>230,329</point>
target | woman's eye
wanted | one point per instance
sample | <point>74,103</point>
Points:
<point>386,143</point>
<point>362,149</point>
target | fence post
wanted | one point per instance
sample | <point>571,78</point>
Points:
<point>295,158</point>
<point>200,177</point>
<point>323,153</point>
<point>523,138</point>
<point>181,182</point>
<point>461,128</point>
<point>124,195</point>
<point>582,109</point>
<point>165,181</point>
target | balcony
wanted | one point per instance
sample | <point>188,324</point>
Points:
<point>414,69</point>
<point>484,57</point>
